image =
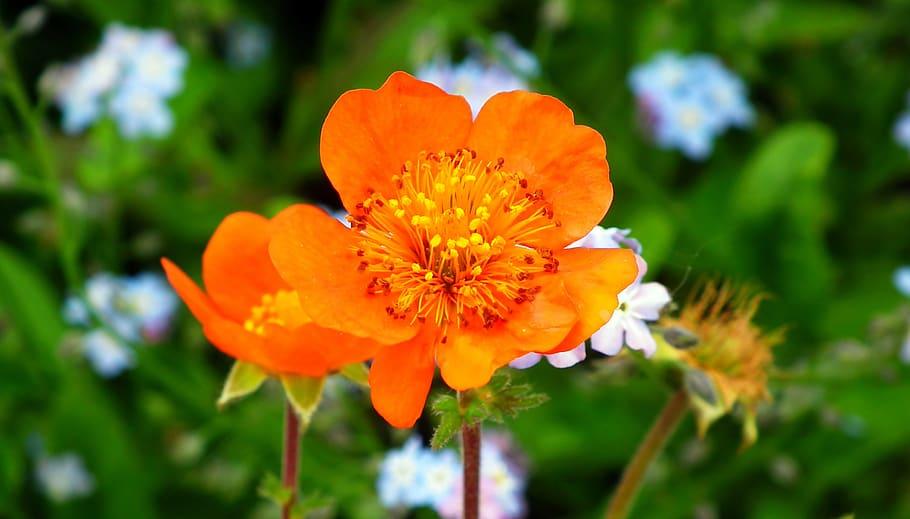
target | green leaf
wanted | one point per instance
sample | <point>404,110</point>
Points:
<point>243,379</point>
<point>304,393</point>
<point>274,490</point>
<point>445,406</point>
<point>30,303</point>
<point>356,373</point>
<point>791,158</point>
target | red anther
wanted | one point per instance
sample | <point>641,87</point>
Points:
<point>445,339</point>
<point>363,266</point>
<point>379,202</point>
<point>529,259</point>
<point>361,252</point>
<point>523,183</point>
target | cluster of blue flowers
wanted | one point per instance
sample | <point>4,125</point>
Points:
<point>687,101</point>
<point>414,476</point>
<point>902,127</point>
<point>483,74</point>
<point>118,312</point>
<point>130,77</point>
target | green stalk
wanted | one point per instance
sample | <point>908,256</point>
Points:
<point>632,478</point>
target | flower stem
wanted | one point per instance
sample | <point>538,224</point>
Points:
<point>290,460</point>
<point>650,447</point>
<point>470,452</point>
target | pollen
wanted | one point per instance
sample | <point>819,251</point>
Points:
<point>451,245</point>
<point>281,308</point>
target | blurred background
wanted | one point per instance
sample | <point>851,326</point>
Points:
<point>762,141</point>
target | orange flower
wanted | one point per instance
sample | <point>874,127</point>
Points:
<point>456,254</point>
<point>251,314</point>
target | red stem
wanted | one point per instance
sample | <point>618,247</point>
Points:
<point>289,464</point>
<point>470,449</point>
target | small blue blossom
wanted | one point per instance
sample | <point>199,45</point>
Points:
<point>120,312</point>
<point>902,280</point>
<point>400,476</point>
<point>414,476</point>
<point>130,76</point>
<point>140,111</point>
<point>63,478</point>
<point>107,354</point>
<point>247,44</point>
<point>151,302</point>
<point>479,77</point>
<point>687,102</point>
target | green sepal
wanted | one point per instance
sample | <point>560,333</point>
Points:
<point>304,394</point>
<point>243,379</point>
<point>357,373</point>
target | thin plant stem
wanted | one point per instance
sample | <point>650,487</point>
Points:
<point>470,452</point>
<point>31,119</point>
<point>632,478</point>
<point>291,457</point>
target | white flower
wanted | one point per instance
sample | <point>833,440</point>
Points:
<point>62,478</point>
<point>638,303</point>
<point>156,64</point>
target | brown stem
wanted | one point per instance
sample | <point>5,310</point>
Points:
<point>650,447</point>
<point>470,451</point>
<point>291,458</point>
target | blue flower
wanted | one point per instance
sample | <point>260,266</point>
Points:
<point>64,477</point>
<point>400,476</point>
<point>247,44</point>
<point>106,353</point>
<point>440,475</point>
<point>479,78</point>
<point>151,303</point>
<point>123,311</point>
<point>902,280</point>
<point>130,76</point>
<point>902,130</point>
<point>156,65</point>
<point>689,101</point>
<point>140,112</point>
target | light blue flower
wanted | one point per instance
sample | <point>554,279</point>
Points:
<point>155,65</point>
<point>64,477</point>
<point>130,77</point>
<point>247,44</point>
<point>141,112</point>
<point>480,77</point>
<point>902,280</point>
<point>689,101</point>
<point>441,473</point>
<point>151,303</point>
<point>107,354</point>
<point>902,130</point>
<point>515,57</point>
<point>400,476</point>
<point>76,312</point>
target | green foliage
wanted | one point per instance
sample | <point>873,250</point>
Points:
<point>498,400</point>
<point>810,205</point>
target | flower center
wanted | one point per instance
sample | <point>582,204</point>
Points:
<point>281,308</point>
<point>459,242</point>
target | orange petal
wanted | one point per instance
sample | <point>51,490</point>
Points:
<point>593,278</point>
<point>230,337</point>
<point>369,134</point>
<point>471,354</point>
<point>336,348</point>
<point>400,379</point>
<point>315,254</point>
<point>236,266</point>
<point>538,135</point>
<point>466,358</point>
